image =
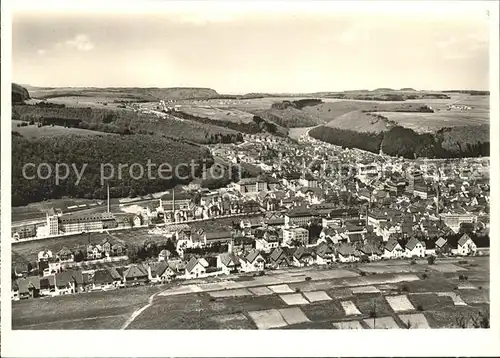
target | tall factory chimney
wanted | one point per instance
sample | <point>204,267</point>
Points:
<point>107,190</point>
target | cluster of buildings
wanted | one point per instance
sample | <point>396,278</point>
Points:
<point>312,204</point>
<point>49,263</point>
<point>57,224</point>
<point>461,107</point>
<point>78,281</point>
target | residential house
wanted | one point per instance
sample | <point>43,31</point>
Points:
<point>253,261</point>
<point>94,252</point>
<point>24,288</point>
<point>45,255</point>
<point>65,255</point>
<point>346,253</point>
<point>117,278</point>
<point>71,281</point>
<point>156,271</point>
<point>103,280</point>
<point>430,247</point>
<point>228,263</point>
<point>466,246</point>
<point>442,247</point>
<point>267,243</point>
<point>241,244</point>
<point>279,258</point>
<point>164,255</point>
<point>118,250</point>
<point>251,223</point>
<point>303,256</point>
<point>47,285</point>
<point>135,275</point>
<point>175,269</point>
<point>393,250</point>
<point>414,248</point>
<point>106,248</point>
<point>372,252</point>
<point>324,254</point>
<point>329,234</point>
<point>196,267</point>
<point>387,229</point>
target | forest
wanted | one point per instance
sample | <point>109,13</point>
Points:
<point>348,139</point>
<point>459,142</point>
<point>258,124</point>
<point>93,152</point>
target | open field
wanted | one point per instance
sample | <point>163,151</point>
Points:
<point>431,122</point>
<point>258,308</point>
<point>346,114</point>
<point>94,310</point>
<point>296,133</point>
<point>32,131</point>
<point>220,114</point>
<point>121,93</point>
<point>96,101</point>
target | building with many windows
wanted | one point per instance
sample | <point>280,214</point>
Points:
<point>296,234</point>
<point>90,222</point>
<point>453,220</point>
<point>298,217</point>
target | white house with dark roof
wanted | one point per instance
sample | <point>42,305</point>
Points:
<point>303,256</point>
<point>196,267</point>
<point>466,246</point>
<point>324,254</point>
<point>393,250</point>
<point>371,251</point>
<point>414,248</point>
<point>252,262</point>
<point>346,253</point>
<point>228,263</point>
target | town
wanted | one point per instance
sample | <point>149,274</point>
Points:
<point>279,167</point>
<point>312,203</point>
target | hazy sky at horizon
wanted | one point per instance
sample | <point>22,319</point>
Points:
<point>236,52</point>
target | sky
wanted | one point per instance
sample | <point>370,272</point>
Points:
<point>280,49</point>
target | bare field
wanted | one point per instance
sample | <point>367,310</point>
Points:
<point>219,114</point>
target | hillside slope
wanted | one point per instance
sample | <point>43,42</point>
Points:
<point>458,142</point>
<point>130,93</point>
<point>93,152</point>
<point>289,117</point>
<point>362,122</point>
<point>123,122</point>
<point>19,94</point>
<point>466,138</point>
